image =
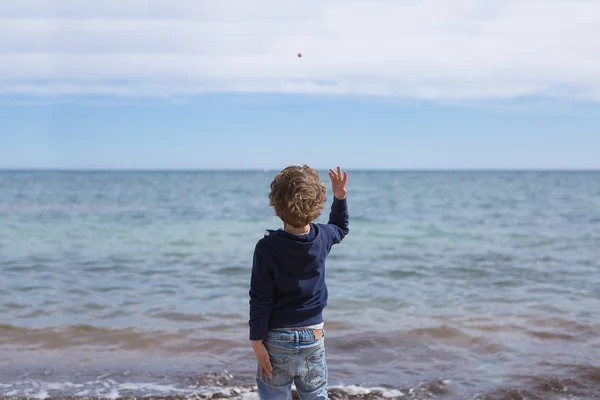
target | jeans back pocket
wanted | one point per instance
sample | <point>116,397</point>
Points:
<point>317,368</point>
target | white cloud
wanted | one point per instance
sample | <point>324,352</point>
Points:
<point>460,49</point>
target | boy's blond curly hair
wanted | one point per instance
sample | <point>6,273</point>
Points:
<point>298,195</point>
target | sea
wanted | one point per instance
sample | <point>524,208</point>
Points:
<point>450,285</point>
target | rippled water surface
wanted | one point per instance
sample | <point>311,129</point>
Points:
<point>454,284</point>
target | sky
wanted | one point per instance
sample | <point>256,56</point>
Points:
<point>381,84</point>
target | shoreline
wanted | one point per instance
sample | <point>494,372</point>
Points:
<point>582,386</point>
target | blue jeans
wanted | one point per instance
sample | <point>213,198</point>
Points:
<point>296,357</point>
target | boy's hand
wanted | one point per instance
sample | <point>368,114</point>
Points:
<point>338,183</point>
<point>262,355</point>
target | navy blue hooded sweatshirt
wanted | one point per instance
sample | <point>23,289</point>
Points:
<point>287,287</point>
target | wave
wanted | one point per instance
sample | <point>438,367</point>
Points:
<point>54,338</point>
<point>479,335</point>
<point>556,329</point>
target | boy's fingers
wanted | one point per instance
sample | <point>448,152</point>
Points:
<point>269,369</point>
<point>339,172</point>
<point>265,365</point>
<point>265,370</point>
<point>345,176</point>
<point>262,371</point>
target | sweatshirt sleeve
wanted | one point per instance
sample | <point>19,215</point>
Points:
<point>261,297</point>
<point>338,220</point>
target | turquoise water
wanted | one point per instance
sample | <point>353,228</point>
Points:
<point>482,279</point>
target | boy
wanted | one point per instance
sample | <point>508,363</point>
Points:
<point>287,289</point>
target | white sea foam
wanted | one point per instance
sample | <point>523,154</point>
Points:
<point>113,390</point>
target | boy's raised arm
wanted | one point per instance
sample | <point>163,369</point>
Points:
<point>338,217</point>
<point>261,297</point>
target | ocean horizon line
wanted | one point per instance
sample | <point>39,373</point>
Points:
<point>233,170</point>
